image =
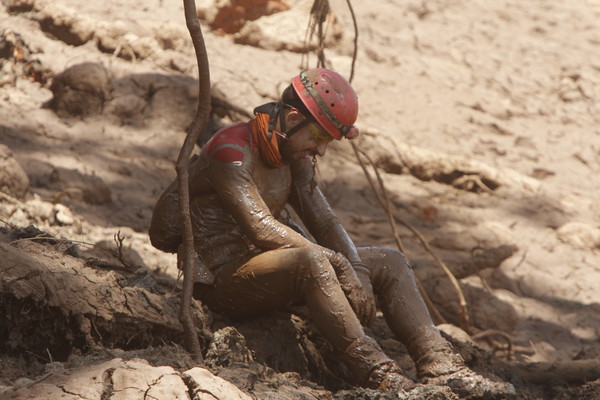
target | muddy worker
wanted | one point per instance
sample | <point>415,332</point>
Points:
<point>239,185</point>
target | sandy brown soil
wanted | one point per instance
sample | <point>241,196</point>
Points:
<point>482,116</point>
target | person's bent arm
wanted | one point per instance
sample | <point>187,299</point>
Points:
<point>233,183</point>
<point>314,210</point>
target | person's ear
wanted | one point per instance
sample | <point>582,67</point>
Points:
<point>294,116</point>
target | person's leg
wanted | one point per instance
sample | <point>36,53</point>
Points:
<point>276,279</point>
<point>400,301</point>
<point>405,312</point>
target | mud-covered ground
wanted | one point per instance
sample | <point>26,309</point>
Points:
<point>481,116</point>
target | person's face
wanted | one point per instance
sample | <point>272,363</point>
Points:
<point>310,140</point>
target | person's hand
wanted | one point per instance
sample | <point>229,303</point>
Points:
<point>359,293</point>
<point>364,276</point>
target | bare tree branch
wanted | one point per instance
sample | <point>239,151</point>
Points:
<point>384,201</point>
<point>354,54</point>
<point>187,255</point>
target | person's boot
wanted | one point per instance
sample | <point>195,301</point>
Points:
<point>442,366</point>
<point>371,368</point>
<point>388,377</point>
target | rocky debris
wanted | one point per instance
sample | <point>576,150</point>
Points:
<point>18,61</point>
<point>13,179</point>
<point>227,347</point>
<point>38,212</point>
<point>421,392</point>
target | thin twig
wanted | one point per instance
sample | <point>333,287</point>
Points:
<point>495,332</point>
<point>464,315</point>
<point>385,203</point>
<point>9,198</point>
<point>439,318</point>
<point>35,381</point>
<point>53,239</point>
<point>119,242</point>
<point>382,197</point>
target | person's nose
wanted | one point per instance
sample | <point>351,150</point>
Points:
<point>322,149</point>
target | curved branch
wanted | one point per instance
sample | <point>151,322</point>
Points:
<point>355,39</point>
<point>187,254</point>
<point>384,201</point>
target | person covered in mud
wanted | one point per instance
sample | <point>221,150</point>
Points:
<point>239,185</point>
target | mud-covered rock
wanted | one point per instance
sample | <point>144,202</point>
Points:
<point>18,5</point>
<point>13,179</point>
<point>289,342</point>
<point>421,392</point>
<point>204,386</point>
<point>36,211</point>
<point>227,347</point>
<point>80,90</point>
<point>486,310</point>
<point>64,23</point>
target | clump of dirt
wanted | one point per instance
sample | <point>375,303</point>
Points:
<point>13,179</point>
<point>80,90</point>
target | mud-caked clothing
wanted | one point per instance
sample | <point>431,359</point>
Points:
<point>261,264</point>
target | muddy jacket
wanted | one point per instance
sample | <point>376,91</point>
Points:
<point>236,200</point>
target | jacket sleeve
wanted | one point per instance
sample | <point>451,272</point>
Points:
<point>239,195</point>
<point>313,208</point>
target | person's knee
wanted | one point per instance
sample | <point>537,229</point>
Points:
<point>387,267</point>
<point>314,265</point>
<point>398,259</point>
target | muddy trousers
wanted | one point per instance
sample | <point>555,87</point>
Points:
<point>277,279</point>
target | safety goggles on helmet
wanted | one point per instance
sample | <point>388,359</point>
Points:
<point>318,134</point>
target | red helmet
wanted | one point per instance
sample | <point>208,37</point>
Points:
<point>330,99</point>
